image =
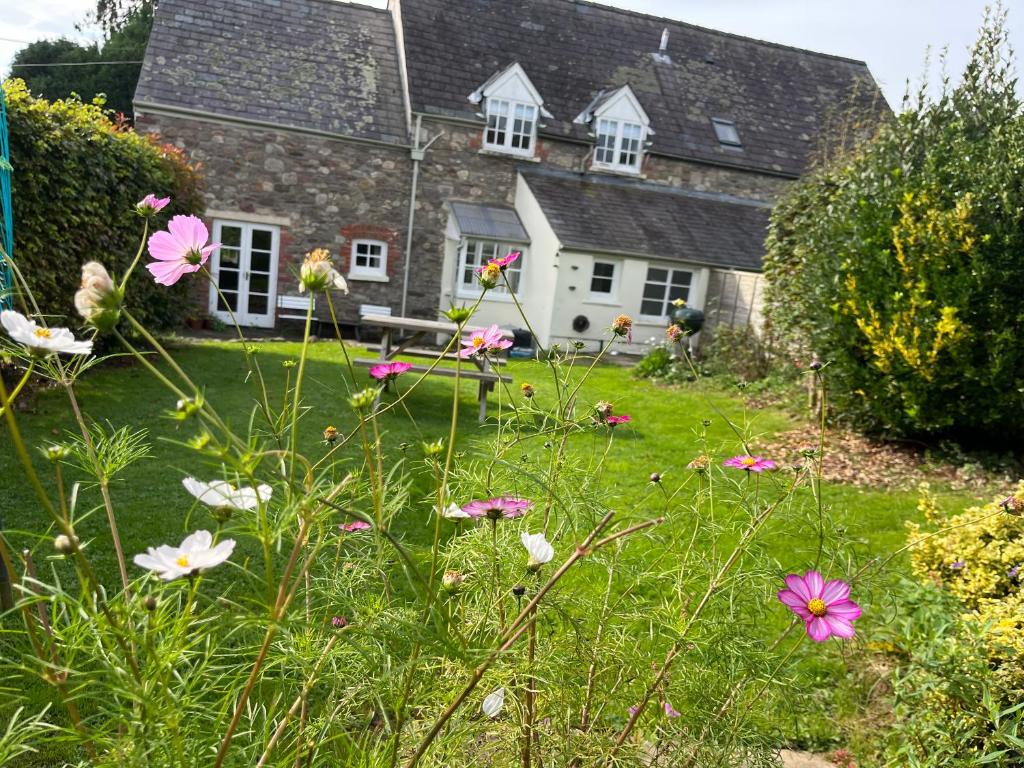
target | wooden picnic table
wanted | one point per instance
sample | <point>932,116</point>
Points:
<point>390,326</point>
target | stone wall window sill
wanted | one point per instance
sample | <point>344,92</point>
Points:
<point>368,278</point>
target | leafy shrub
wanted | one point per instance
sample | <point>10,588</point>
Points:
<point>73,168</point>
<point>959,696</point>
<point>902,263</point>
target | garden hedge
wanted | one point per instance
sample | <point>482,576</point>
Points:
<point>77,175</point>
<point>903,263</point>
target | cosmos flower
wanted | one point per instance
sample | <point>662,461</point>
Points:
<point>623,326</point>
<point>538,548</point>
<point>749,463</point>
<point>493,704</point>
<point>611,421</point>
<point>151,204</point>
<point>495,509</point>
<point>355,525</point>
<point>674,333</point>
<point>97,297</point>
<point>670,711</point>
<point>489,275</point>
<point>455,512</point>
<point>196,553</point>
<point>958,565</point>
<point>179,250</point>
<point>220,494</point>
<point>501,263</point>
<point>317,273</point>
<point>389,371</point>
<point>487,340</point>
<point>41,341</point>
<point>825,607</point>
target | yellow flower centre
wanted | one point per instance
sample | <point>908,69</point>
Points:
<point>43,333</point>
<point>182,561</point>
<point>816,606</point>
<point>478,342</point>
<point>748,461</point>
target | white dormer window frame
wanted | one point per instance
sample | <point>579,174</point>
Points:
<point>512,110</point>
<point>621,129</point>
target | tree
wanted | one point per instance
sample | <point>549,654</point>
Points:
<point>903,262</point>
<point>92,71</point>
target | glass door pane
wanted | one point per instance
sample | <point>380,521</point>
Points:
<point>229,268</point>
<point>259,278</point>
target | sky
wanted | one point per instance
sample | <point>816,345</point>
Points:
<point>892,36</point>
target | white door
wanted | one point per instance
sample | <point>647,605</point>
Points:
<point>245,270</point>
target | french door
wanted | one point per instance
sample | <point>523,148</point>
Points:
<point>245,270</point>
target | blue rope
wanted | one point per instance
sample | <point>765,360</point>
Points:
<point>6,213</point>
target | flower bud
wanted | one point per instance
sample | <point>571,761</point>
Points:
<point>66,545</point>
<point>149,603</point>
<point>435,448</point>
<point>604,409</point>
<point>489,275</point>
<point>816,364</point>
<point>363,400</point>
<point>317,273</point>
<point>150,205</point>
<point>518,590</point>
<point>655,477</point>
<point>527,389</point>
<point>98,300</point>
<point>56,452</point>
<point>330,434</point>
<point>339,622</point>
<point>452,581</point>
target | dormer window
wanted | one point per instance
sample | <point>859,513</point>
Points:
<point>511,126</point>
<point>620,127</point>
<point>512,110</point>
<point>618,145</point>
<point>726,132</point>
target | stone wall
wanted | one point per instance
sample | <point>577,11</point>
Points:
<point>321,192</point>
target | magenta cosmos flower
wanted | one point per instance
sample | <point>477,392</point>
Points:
<point>749,463</point>
<point>494,509</point>
<point>179,250</point>
<point>501,263</point>
<point>825,607</point>
<point>151,204</point>
<point>389,371</point>
<point>611,421</point>
<point>355,525</point>
<point>487,340</point>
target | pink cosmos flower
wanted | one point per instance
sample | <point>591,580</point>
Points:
<point>493,509</point>
<point>825,607</point>
<point>179,250</point>
<point>501,263</point>
<point>389,371</point>
<point>749,463</point>
<point>670,710</point>
<point>151,204</point>
<point>355,525</point>
<point>488,340</point>
<point>611,421</point>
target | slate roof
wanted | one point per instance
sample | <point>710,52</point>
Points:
<point>781,98</point>
<point>492,221</point>
<point>315,64</point>
<point>593,212</point>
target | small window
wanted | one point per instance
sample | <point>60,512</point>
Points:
<point>726,132</point>
<point>618,145</point>
<point>603,281</point>
<point>474,253</point>
<point>369,259</point>
<point>664,286</point>
<point>511,126</point>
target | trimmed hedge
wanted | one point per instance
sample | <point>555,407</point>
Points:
<point>77,177</point>
<point>903,264</point>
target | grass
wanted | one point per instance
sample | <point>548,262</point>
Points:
<point>665,434</point>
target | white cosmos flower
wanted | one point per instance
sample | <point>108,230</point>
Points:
<point>220,494</point>
<point>196,553</point>
<point>494,702</point>
<point>41,341</point>
<point>455,512</point>
<point>539,549</point>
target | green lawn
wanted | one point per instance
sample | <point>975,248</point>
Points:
<point>664,435</point>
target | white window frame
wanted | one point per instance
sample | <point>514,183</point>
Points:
<point>666,301</point>
<point>378,273</point>
<point>484,250</point>
<point>621,144</point>
<point>244,317</point>
<point>612,296</point>
<point>514,114</point>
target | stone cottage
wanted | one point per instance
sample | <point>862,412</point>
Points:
<point>633,160</point>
